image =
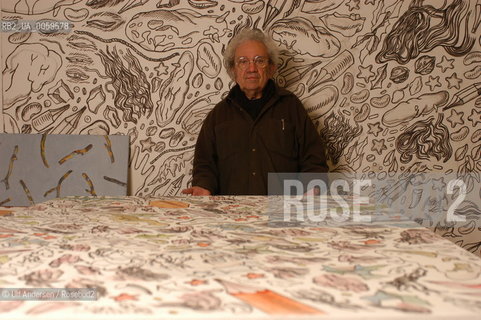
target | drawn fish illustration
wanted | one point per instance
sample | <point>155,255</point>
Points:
<point>164,30</point>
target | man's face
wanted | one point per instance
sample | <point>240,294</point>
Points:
<point>252,78</point>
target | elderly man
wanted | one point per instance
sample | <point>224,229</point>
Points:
<point>258,128</point>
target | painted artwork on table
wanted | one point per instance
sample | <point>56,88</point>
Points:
<point>393,86</point>
<point>221,258</point>
<point>38,167</point>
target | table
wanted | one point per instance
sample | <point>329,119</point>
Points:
<point>225,258</point>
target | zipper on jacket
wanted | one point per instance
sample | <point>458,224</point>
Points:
<point>282,122</point>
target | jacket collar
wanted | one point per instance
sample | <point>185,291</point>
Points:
<point>278,91</point>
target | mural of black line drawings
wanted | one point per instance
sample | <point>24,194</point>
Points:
<point>299,36</point>
<point>417,32</point>
<point>95,4</point>
<point>132,90</point>
<point>106,21</point>
<point>410,109</point>
<point>337,134</point>
<point>29,7</point>
<point>173,90</point>
<point>162,32</point>
<point>425,139</point>
<point>392,85</point>
<point>27,70</point>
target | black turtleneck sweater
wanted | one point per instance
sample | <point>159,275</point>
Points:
<point>253,107</point>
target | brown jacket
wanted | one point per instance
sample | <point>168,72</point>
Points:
<point>234,153</point>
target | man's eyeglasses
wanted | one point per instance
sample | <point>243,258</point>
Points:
<point>259,62</point>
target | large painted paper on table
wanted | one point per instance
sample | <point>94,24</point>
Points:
<point>227,258</point>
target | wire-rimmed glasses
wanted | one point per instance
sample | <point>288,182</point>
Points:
<point>259,61</point>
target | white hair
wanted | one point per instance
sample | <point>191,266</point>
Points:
<point>248,35</point>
